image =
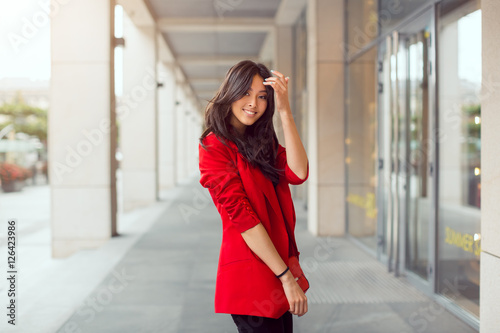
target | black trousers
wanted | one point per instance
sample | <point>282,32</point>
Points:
<point>254,324</point>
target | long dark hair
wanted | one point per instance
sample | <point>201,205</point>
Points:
<point>259,144</point>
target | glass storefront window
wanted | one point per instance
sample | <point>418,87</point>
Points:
<point>403,144</point>
<point>459,214</point>
<point>361,159</point>
<point>418,179</point>
<point>392,12</point>
<point>368,19</point>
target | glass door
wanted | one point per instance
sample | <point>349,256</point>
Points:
<point>459,232</point>
<point>406,213</point>
<point>418,155</point>
<point>392,146</point>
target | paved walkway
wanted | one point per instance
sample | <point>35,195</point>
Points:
<point>159,276</point>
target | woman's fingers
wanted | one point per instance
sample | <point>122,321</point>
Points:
<point>279,77</point>
<point>279,83</point>
<point>278,74</point>
<point>282,81</point>
<point>299,308</point>
<point>276,83</point>
<point>304,308</point>
<point>296,298</point>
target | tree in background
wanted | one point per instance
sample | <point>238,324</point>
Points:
<point>25,118</point>
<point>31,122</point>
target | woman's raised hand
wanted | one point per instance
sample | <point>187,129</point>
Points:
<point>280,86</point>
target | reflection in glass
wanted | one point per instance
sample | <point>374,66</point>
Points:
<point>392,12</point>
<point>362,24</point>
<point>459,238</point>
<point>385,130</point>
<point>361,149</point>
<point>417,230</point>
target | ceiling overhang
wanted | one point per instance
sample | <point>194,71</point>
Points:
<point>205,38</point>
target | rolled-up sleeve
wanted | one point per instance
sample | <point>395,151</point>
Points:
<point>220,175</point>
<point>282,164</point>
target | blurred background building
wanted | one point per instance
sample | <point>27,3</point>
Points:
<point>387,96</point>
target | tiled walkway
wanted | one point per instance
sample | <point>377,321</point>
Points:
<point>165,282</point>
<point>172,271</point>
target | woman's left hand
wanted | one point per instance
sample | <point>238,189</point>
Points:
<point>280,86</point>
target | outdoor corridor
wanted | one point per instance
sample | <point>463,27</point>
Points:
<point>159,276</point>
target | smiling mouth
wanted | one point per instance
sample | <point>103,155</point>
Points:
<point>250,112</point>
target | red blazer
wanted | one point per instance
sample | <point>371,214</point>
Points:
<point>244,197</point>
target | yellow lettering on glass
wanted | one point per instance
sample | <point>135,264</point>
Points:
<point>368,204</point>
<point>464,241</point>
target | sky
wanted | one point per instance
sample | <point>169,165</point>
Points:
<point>469,47</point>
<point>24,43</point>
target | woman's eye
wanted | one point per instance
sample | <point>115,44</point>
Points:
<point>247,94</point>
<point>263,97</point>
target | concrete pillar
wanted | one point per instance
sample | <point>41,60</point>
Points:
<point>197,127</point>
<point>180,140</point>
<point>138,116</point>
<point>490,173</point>
<point>193,132</point>
<point>188,131</point>
<point>190,138</point>
<point>187,136</point>
<point>166,126</point>
<point>80,143</point>
<point>285,55</point>
<point>325,84</point>
<point>283,62</point>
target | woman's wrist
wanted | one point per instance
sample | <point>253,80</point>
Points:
<point>287,278</point>
<point>284,110</point>
<point>283,273</point>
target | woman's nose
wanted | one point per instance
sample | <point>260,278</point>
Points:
<point>252,101</point>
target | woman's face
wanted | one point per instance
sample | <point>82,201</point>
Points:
<point>249,108</point>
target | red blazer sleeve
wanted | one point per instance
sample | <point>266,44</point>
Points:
<point>282,164</point>
<point>220,175</point>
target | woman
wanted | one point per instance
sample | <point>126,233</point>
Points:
<point>247,173</point>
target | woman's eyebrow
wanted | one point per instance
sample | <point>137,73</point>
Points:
<point>262,91</point>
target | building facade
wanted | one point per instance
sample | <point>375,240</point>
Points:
<point>394,100</point>
<point>413,143</point>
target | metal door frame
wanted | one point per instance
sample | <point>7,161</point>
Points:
<point>395,45</point>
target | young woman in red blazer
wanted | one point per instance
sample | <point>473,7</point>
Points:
<point>248,174</point>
